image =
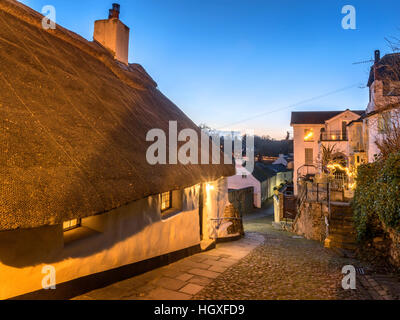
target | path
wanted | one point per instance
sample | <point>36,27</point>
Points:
<point>266,264</point>
<point>288,267</point>
<point>180,280</point>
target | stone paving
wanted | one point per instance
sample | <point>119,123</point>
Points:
<point>266,265</point>
<point>180,280</point>
<point>287,267</point>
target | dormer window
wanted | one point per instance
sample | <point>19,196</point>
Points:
<point>308,135</point>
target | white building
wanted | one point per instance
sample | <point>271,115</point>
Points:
<point>263,179</point>
<point>313,130</point>
<point>384,100</point>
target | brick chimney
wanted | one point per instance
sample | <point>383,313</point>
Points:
<point>113,34</point>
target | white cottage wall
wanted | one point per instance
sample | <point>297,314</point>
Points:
<point>129,234</point>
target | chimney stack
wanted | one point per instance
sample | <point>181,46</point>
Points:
<point>113,34</point>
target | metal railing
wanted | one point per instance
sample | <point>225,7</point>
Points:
<point>333,136</point>
<point>318,192</point>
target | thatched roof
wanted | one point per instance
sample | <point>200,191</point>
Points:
<point>74,124</point>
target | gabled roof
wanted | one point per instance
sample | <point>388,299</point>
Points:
<point>262,173</point>
<point>318,117</point>
<point>388,68</point>
<point>74,125</point>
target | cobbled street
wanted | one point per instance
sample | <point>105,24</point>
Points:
<point>268,264</point>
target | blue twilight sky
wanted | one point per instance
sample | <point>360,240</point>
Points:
<point>224,61</point>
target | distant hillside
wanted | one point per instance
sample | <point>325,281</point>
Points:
<point>265,146</point>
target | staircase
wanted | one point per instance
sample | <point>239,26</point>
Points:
<point>341,229</point>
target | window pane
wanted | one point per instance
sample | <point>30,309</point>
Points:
<point>308,134</point>
<point>71,224</point>
<point>308,156</point>
<point>165,201</point>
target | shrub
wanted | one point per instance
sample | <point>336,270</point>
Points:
<point>377,197</point>
<point>365,196</point>
<point>389,194</point>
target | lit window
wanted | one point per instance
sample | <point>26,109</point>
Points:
<point>71,224</point>
<point>308,135</point>
<point>166,201</point>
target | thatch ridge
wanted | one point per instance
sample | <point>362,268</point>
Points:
<point>131,76</point>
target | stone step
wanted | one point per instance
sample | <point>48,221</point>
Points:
<point>343,239</point>
<point>330,243</point>
<point>342,221</point>
<point>341,230</point>
<point>342,213</point>
<point>343,227</point>
<point>343,236</point>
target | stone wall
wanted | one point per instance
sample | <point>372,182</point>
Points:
<point>242,200</point>
<point>236,224</point>
<point>310,221</point>
<point>386,247</point>
<point>394,248</point>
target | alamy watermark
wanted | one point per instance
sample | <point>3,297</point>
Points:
<point>349,20</point>
<point>49,19</point>
<point>204,148</point>
<point>49,280</point>
<point>349,280</point>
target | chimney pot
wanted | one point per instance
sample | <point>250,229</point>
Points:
<point>115,11</point>
<point>377,56</point>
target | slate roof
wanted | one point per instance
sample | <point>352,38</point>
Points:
<point>317,117</point>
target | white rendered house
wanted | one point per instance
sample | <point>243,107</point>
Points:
<point>315,129</point>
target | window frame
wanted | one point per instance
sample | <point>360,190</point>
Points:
<point>307,132</point>
<point>170,201</point>
<point>73,227</point>
<point>305,156</point>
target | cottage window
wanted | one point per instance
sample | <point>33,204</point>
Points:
<point>309,156</point>
<point>166,201</point>
<point>72,224</point>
